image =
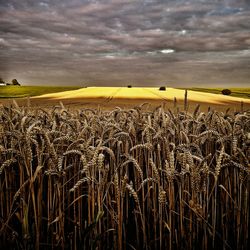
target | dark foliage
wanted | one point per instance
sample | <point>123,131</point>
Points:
<point>15,82</point>
<point>1,80</point>
<point>226,92</point>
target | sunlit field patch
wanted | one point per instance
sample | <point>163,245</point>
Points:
<point>141,93</point>
<point>237,92</point>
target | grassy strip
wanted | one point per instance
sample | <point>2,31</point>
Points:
<point>237,92</point>
<point>28,91</point>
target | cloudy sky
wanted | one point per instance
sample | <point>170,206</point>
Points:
<point>120,42</point>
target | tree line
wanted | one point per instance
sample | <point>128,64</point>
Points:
<point>13,82</point>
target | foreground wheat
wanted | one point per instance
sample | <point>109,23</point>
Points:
<point>126,179</point>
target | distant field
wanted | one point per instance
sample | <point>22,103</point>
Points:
<point>237,92</point>
<point>26,91</point>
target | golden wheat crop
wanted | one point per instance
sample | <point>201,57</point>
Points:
<point>125,179</point>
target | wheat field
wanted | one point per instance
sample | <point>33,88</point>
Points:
<point>124,179</point>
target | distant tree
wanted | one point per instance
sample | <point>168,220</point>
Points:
<point>226,92</point>
<point>15,82</point>
<point>1,80</point>
<point>162,88</point>
<point>129,86</point>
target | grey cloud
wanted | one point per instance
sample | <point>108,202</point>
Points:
<point>120,40</point>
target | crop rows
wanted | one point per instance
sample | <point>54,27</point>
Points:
<point>123,179</point>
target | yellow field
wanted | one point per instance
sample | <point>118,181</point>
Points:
<point>111,93</point>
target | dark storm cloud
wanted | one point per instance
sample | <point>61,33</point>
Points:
<point>116,41</point>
